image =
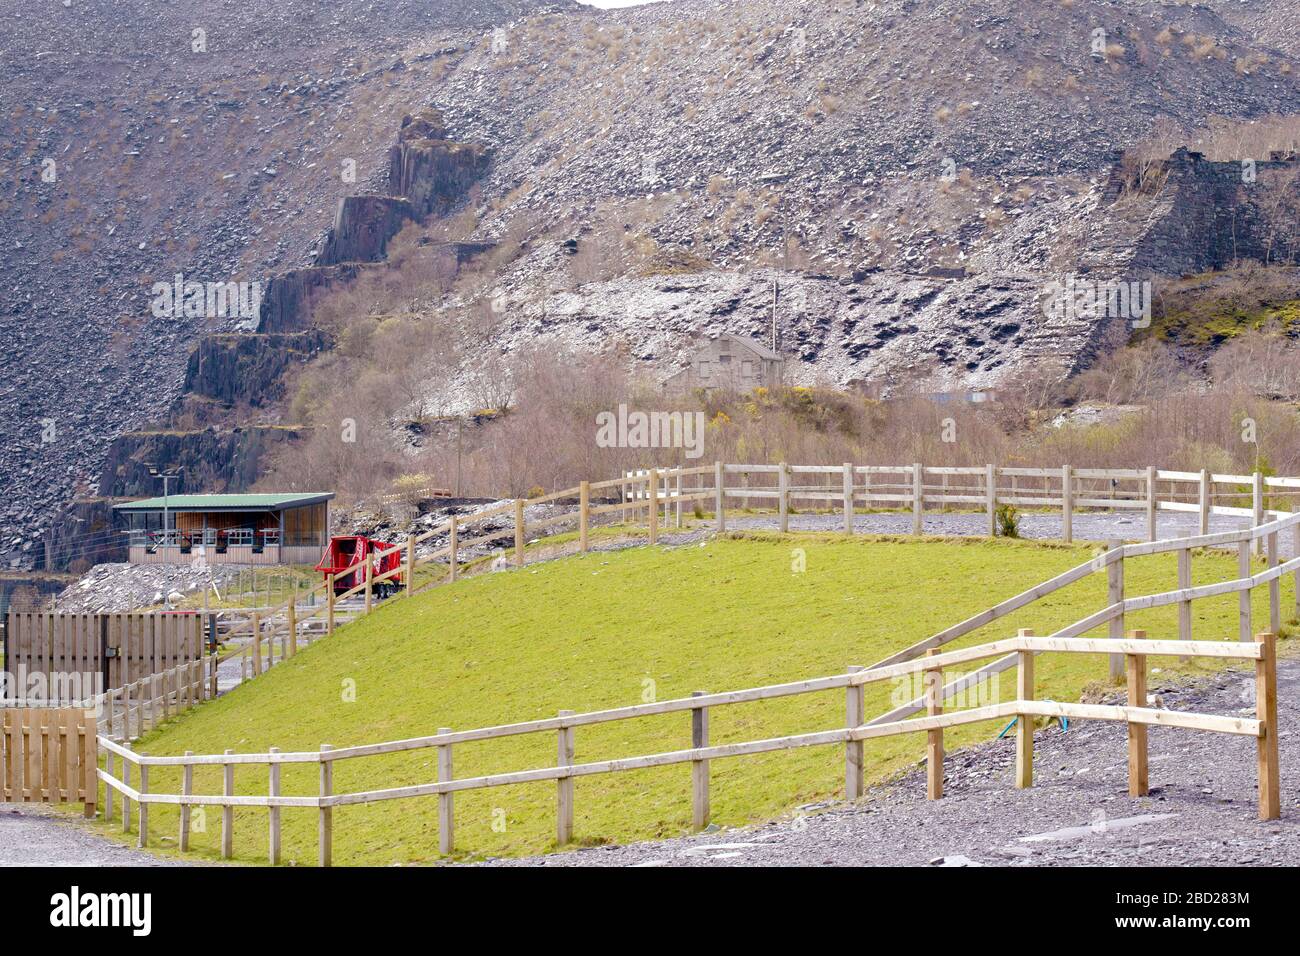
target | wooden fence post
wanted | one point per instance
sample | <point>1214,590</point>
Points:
<point>584,515</point>
<point>1136,666</point>
<point>1115,595</point>
<point>227,811</point>
<point>519,532</point>
<point>1025,722</point>
<point>1295,553</point>
<point>446,809</point>
<point>1245,629</point>
<point>1203,501</point>
<point>1274,586</point>
<point>1184,582</point>
<point>1257,506</point>
<point>652,503</point>
<point>991,498</point>
<point>143,807</point>
<point>783,496</point>
<point>934,738</point>
<point>1270,794</point>
<point>678,494</point>
<point>564,786</point>
<point>855,713</point>
<point>1151,502</point>
<point>329,604</point>
<point>918,498</point>
<point>273,790</point>
<point>1067,504</point>
<point>410,562</point>
<point>370,583</point>
<point>257,645</point>
<point>293,621</point>
<point>719,503</point>
<point>126,801</point>
<point>325,821</point>
<point>848,497</point>
<point>699,768</point>
<point>108,768</point>
<point>187,788</point>
<point>453,548</point>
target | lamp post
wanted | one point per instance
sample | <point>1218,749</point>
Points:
<point>156,472</point>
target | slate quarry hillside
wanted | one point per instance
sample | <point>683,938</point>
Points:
<point>910,174</point>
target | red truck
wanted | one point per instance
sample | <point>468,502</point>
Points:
<point>346,558</point>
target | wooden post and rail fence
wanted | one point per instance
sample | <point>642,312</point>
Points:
<point>565,725</point>
<point>655,494</point>
<point>925,658</point>
<point>45,748</point>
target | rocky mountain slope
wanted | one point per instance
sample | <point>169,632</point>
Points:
<point>142,140</point>
<point>910,174</point>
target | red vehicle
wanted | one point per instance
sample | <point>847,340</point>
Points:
<point>346,558</point>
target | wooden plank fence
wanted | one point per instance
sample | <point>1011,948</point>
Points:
<point>48,755</point>
<point>106,650</point>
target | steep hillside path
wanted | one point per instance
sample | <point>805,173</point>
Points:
<point>1201,810</point>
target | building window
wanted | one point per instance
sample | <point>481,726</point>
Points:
<point>747,368</point>
<point>704,370</point>
<point>724,359</point>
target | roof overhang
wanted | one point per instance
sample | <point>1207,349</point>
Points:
<point>224,503</point>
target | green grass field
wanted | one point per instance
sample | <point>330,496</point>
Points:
<point>610,629</point>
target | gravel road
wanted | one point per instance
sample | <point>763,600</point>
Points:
<point>1201,810</point>
<point>33,835</point>
<point>1088,525</point>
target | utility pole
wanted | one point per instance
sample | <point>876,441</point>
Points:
<point>156,472</point>
<point>460,427</point>
<point>776,294</point>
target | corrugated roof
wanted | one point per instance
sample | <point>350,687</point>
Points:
<point>227,502</point>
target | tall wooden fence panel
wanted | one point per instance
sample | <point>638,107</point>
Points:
<point>119,649</point>
<point>48,755</point>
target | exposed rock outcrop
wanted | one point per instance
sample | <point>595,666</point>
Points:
<point>362,228</point>
<point>288,297</point>
<point>248,369</point>
<point>431,170</point>
<point>214,460</point>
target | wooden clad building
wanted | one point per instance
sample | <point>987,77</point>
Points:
<point>229,529</point>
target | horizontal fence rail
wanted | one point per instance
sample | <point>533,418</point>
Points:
<point>1137,715</point>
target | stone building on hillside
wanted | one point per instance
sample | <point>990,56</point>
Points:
<point>732,362</point>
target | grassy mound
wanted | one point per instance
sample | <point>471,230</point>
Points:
<point>610,629</point>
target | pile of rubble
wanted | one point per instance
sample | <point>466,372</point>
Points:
<point>129,587</point>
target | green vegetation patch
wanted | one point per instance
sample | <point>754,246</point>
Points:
<point>610,629</point>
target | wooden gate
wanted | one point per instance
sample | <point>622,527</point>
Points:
<point>108,651</point>
<point>48,755</point>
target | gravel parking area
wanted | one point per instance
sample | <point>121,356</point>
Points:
<point>33,835</point>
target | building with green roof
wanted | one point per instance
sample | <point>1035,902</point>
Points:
<point>289,528</point>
